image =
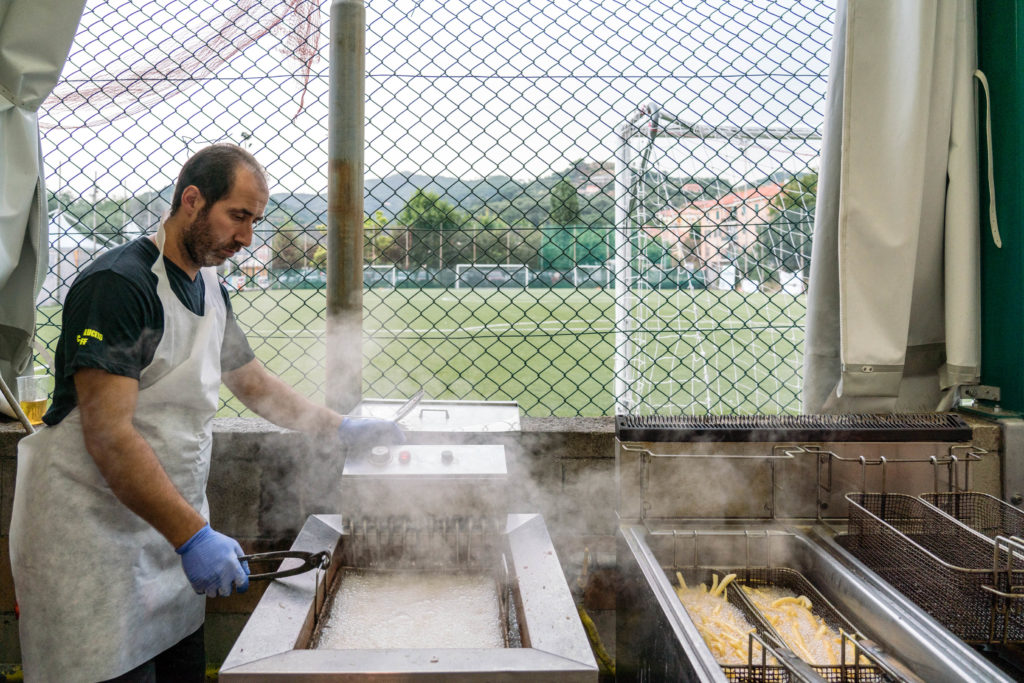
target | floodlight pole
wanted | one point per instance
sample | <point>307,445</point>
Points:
<point>344,347</point>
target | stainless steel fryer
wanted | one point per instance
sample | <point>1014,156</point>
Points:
<point>277,639</point>
<point>462,418</point>
<point>748,498</point>
<point>433,509</point>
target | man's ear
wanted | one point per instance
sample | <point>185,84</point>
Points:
<point>192,200</point>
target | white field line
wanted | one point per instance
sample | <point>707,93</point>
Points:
<point>601,325</point>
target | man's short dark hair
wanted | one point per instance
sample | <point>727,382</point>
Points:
<point>212,171</point>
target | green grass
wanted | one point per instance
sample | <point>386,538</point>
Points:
<point>550,350</point>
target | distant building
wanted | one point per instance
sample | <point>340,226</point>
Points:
<point>70,251</point>
<point>147,210</point>
<point>132,230</point>
<point>714,233</point>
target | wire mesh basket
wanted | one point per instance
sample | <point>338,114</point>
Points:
<point>942,565</point>
<point>982,512</point>
<point>792,580</point>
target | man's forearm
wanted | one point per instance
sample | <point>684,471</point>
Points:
<point>126,460</point>
<point>136,477</point>
<point>273,399</point>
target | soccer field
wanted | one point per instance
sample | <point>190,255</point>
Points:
<point>550,350</point>
<point>693,352</point>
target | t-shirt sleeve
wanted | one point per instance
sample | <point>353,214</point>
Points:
<point>235,351</point>
<point>109,324</point>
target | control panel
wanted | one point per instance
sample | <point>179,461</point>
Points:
<point>429,460</point>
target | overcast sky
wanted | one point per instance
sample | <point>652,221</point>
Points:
<point>455,87</point>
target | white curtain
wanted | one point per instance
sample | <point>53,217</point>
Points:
<point>893,304</point>
<point>35,37</point>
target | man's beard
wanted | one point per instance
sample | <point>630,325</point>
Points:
<point>199,244</point>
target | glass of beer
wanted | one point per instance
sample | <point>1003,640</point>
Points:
<point>33,394</point>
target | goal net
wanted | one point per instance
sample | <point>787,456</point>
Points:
<point>600,275</point>
<point>380,276</point>
<point>706,308</point>
<point>475,275</point>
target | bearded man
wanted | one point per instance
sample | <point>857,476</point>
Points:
<point>112,552</point>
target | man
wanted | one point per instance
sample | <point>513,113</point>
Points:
<point>111,550</point>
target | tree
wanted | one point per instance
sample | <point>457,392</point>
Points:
<point>290,244</point>
<point>432,220</point>
<point>378,241</point>
<point>564,204</point>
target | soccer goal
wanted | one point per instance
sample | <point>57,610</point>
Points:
<point>471,275</point>
<point>599,275</point>
<point>696,345</point>
<point>380,276</point>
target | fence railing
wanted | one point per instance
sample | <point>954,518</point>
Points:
<point>519,244</point>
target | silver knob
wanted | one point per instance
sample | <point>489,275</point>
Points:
<point>380,455</point>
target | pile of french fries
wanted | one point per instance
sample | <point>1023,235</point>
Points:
<point>807,635</point>
<point>722,626</point>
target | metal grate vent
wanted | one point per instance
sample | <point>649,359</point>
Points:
<point>787,428</point>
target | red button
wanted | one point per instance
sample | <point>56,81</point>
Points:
<point>404,457</point>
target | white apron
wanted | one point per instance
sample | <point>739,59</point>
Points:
<point>100,591</point>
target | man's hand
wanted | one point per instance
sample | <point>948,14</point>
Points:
<point>366,432</point>
<point>210,561</point>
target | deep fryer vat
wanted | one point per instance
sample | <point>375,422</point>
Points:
<point>938,563</point>
<point>656,640</point>
<point>277,640</point>
<point>982,512</point>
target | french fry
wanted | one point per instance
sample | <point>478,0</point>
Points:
<point>722,626</point>
<point>715,590</point>
<point>803,632</point>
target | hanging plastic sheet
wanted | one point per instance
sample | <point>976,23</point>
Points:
<point>893,304</point>
<point>35,38</point>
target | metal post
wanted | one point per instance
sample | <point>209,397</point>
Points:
<point>623,351</point>
<point>344,379</point>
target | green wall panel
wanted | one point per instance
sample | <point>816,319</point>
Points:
<point>1000,41</point>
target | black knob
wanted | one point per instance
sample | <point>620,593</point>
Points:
<point>447,457</point>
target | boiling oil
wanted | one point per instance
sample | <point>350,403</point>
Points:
<point>413,610</point>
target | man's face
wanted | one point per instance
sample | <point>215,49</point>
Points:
<point>219,230</point>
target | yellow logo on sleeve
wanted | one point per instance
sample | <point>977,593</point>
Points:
<point>86,333</point>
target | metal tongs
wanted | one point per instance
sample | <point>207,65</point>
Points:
<point>320,560</point>
<point>408,406</point>
<point>402,411</point>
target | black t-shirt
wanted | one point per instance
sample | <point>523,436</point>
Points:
<point>113,320</point>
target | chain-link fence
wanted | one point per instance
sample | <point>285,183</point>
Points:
<point>581,206</point>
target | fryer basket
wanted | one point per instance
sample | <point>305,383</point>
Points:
<point>793,580</point>
<point>937,562</point>
<point>982,512</point>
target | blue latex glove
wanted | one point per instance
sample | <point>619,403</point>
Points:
<point>210,561</point>
<point>366,432</point>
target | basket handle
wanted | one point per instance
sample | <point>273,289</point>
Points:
<point>876,657</point>
<point>799,670</point>
<point>787,453</point>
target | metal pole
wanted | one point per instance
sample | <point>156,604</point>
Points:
<point>344,380</point>
<point>623,352</point>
